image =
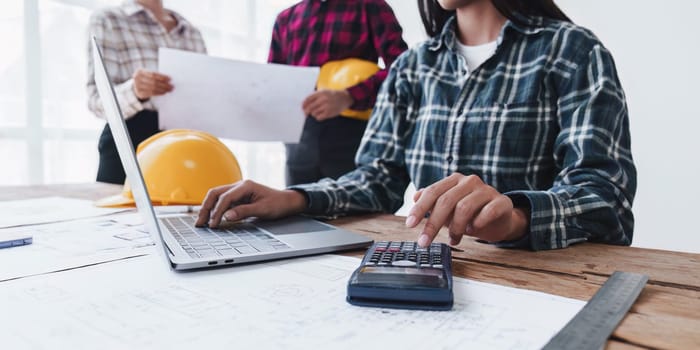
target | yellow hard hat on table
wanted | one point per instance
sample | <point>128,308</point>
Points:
<point>342,74</point>
<point>179,166</point>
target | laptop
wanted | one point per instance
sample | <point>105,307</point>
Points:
<point>188,247</point>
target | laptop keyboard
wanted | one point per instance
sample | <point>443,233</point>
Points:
<point>203,242</point>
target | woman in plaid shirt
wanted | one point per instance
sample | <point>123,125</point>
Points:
<point>510,120</point>
<point>129,36</point>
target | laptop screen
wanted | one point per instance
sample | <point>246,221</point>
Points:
<point>124,147</point>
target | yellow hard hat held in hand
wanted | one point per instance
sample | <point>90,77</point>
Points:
<point>179,167</point>
<point>342,74</point>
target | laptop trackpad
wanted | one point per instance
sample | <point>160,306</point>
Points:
<point>294,224</point>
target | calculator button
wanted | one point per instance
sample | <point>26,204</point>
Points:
<point>404,263</point>
<point>438,266</point>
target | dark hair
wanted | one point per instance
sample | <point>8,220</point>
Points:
<point>434,16</point>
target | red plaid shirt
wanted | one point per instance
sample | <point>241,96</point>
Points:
<point>314,32</point>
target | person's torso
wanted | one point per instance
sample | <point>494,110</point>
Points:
<point>133,42</point>
<point>316,32</point>
<point>500,122</point>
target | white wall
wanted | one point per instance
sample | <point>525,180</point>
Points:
<point>657,51</point>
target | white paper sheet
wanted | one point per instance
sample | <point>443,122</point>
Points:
<point>234,99</point>
<point>48,209</point>
<point>291,304</point>
<point>67,245</point>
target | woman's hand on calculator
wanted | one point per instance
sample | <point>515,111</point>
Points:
<point>467,206</point>
<point>246,199</point>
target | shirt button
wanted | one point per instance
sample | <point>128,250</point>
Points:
<point>450,159</point>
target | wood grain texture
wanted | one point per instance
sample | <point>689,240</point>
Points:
<point>663,267</point>
<point>665,316</point>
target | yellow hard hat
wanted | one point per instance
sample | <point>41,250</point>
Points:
<point>342,74</point>
<point>179,166</point>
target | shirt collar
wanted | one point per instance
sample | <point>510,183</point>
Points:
<point>447,37</point>
<point>132,7</point>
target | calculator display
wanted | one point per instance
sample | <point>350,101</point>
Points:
<point>401,277</point>
<point>402,271</point>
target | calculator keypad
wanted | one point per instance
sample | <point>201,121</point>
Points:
<point>405,254</point>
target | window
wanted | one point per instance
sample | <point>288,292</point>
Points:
<point>48,135</point>
<point>13,148</point>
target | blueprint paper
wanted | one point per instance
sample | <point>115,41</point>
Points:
<point>68,245</point>
<point>48,209</point>
<point>289,304</point>
<point>234,99</point>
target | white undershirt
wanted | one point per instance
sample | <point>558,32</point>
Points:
<point>474,56</point>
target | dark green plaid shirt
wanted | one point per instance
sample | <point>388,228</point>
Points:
<point>544,121</point>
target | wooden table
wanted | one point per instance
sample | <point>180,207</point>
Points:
<point>666,315</point>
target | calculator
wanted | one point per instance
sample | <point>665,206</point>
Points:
<point>403,275</point>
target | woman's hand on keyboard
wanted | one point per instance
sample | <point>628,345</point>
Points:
<point>246,199</point>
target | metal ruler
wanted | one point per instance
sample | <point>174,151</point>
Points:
<point>592,326</point>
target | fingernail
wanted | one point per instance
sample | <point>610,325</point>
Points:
<point>411,221</point>
<point>469,229</point>
<point>423,240</point>
<point>231,215</point>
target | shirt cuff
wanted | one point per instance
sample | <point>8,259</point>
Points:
<point>547,221</point>
<point>303,193</point>
<point>128,102</point>
<point>361,99</point>
<point>318,201</point>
